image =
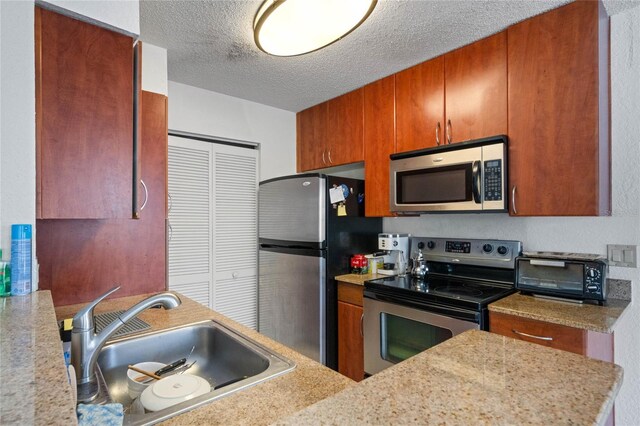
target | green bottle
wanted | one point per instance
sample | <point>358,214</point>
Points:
<point>5,277</point>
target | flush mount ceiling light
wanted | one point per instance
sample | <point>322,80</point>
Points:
<point>296,27</point>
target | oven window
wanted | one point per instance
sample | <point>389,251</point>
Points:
<point>436,185</point>
<point>402,338</point>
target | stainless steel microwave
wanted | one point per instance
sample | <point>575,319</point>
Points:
<point>463,177</point>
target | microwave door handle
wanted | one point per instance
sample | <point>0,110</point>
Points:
<point>476,176</point>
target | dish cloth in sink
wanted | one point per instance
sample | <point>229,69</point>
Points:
<point>107,415</point>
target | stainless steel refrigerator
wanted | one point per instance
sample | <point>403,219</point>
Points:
<point>305,241</point>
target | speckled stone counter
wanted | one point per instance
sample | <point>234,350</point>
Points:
<point>477,378</point>
<point>34,389</point>
<point>261,404</point>
<point>583,316</point>
<point>358,279</point>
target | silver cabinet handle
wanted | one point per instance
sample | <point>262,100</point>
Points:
<point>513,200</point>
<point>329,155</point>
<point>170,202</point>
<point>323,160</point>
<point>449,131</point>
<point>362,325</point>
<point>545,338</point>
<point>438,134</point>
<point>146,195</point>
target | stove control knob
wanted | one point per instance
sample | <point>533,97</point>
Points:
<point>420,245</point>
<point>431,245</point>
<point>487,248</point>
<point>502,250</point>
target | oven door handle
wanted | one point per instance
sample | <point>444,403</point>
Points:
<point>476,176</point>
<point>449,311</point>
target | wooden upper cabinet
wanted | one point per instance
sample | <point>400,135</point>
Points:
<point>379,144</point>
<point>476,89</point>
<point>331,133</point>
<point>345,129</point>
<point>419,93</point>
<point>84,119</point>
<point>559,112</point>
<point>311,138</point>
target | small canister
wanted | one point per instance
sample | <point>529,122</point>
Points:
<point>359,264</point>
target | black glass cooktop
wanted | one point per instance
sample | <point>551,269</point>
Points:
<point>448,290</point>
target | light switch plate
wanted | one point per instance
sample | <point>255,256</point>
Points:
<point>620,255</point>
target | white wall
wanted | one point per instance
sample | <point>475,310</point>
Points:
<point>154,69</point>
<point>201,111</point>
<point>587,235</point>
<point>17,120</point>
<point>120,14</point>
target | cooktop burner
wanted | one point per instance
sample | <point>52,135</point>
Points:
<point>464,290</point>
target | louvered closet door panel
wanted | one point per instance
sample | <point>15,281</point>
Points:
<point>190,219</point>
<point>236,233</point>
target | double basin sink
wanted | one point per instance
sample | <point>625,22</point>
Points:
<point>228,360</point>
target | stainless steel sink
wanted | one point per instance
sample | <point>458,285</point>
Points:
<point>221,355</point>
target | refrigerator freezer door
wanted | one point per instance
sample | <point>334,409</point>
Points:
<point>291,300</point>
<point>293,209</point>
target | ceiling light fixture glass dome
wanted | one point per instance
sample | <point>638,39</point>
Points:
<point>296,27</point>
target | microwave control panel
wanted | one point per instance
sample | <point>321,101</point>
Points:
<point>493,180</point>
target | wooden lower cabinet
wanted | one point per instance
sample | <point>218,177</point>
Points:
<point>592,344</point>
<point>350,339</point>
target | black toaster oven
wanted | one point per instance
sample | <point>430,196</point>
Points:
<point>580,277</point>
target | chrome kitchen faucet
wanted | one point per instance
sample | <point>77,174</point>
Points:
<point>86,344</point>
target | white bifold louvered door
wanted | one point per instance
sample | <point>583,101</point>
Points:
<point>213,191</point>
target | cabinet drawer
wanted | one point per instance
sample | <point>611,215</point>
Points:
<point>553,335</point>
<point>350,293</point>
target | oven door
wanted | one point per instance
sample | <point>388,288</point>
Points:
<point>393,332</point>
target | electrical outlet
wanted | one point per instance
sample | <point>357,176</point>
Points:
<point>625,256</point>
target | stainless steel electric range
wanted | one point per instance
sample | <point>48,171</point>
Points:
<point>404,316</point>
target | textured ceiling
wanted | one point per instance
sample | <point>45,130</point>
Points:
<point>210,45</point>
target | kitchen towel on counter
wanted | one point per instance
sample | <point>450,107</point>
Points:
<point>107,415</point>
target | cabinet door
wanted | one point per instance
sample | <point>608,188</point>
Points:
<point>476,89</point>
<point>311,138</point>
<point>344,129</point>
<point>420,106</point>
<point>553,335</point>
<point>350,341</point>
<point>558,153</point>
<point>84,119</point>
<point>82,259</point>
<point>379,143</point>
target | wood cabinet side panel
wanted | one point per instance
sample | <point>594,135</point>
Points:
<point>344,128</point>
<point>311,137</point>
<point>562,337</point>
<point>476,89</point>
<point>86,120</point>
<point>379,144</point>
<point>553,112</point>
<point>350,341</point>
<point>420,105</point>
<point>81,259</point>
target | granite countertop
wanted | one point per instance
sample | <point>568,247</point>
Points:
<point>583,316</point>
<point>34,388</point>
<point>262,404</point>
<point>359,279</point>
<point>477,378</point>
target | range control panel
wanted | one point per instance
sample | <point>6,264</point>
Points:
<point>496,253</point>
